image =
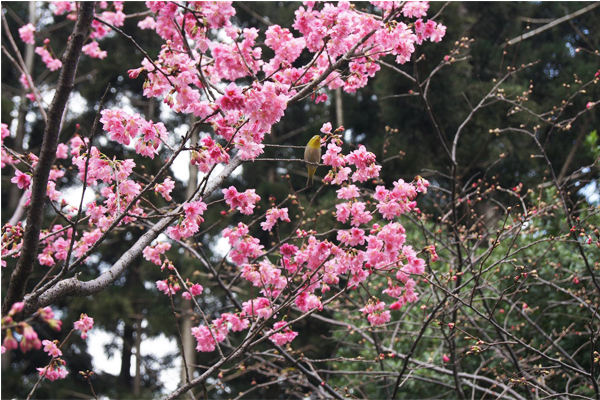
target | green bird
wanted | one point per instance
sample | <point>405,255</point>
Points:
<point>312,154</point>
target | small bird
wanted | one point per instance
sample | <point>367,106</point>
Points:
<point>312,154</point>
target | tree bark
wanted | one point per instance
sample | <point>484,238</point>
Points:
<point>35,214</point>
<point>188,341</point>
<point>125,374</point>
<point>339,107</point>
<point>137,380</point>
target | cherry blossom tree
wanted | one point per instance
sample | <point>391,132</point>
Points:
<point>199,73</point>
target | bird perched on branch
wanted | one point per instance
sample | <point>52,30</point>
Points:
<point>312,155</point>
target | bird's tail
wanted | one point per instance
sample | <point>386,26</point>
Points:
<point>309,182</point>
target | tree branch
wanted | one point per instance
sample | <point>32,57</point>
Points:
<point>75,287</point>
<point>552,24</point>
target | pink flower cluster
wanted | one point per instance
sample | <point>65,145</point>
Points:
<point>375,312</point>
<point>123,127</point>
<point>210,153</point>
<point>26,33</point>
<point>29,338</point>
<point>84,324</point>
<point>21,179</point>
<point>284,336</point>
<point>189,225</point>
<point>220,328</point>
<point>47,316</point>
<point>243,246</point>
<point>243,202</point>
<point>165,188</point>
<point>5,158</point>
<point>51,348</point>
<point>194,290</point>
<point>308,301</point>
<point>249,113</point>
<point>56,370</point>
<point>51,63</point>
<point>259,307</point>
<point>273,214</point>
<point>363,160</point>
<point>266,276</point>
<point>153,253</point>
<point>399,200</point>
<point>93,50</point>
<point>99,30</point>
<point>167,287</point>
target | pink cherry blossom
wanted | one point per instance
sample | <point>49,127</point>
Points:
<point>165,188</point>
<point>54,371</point>
<point>167,288</point>
<point>238,321</point>
<point>62,151</point>
<point>26,33</point>
<point>375,312</point>
<point>51,349</point>
<point>232,99</point>
<point>5,132</point>
<point>93,50</point>
<point>348,192</point>
<point>211,153</point>
<point>351,237</point>
<point>63,7</point>
<point>415,9</point>
<point>84,324</point>
<point>283,337</point>
<point>287,48</point>
<point>147,23</point>
<point>308,301</point>
<point>273,214</point>
<point>153,253</point>
<point>51,63</point>
<point>333,156</point>
<point>194,290</point>
<point>22,180</point>
<point>10,343</point>
<point>29,340</point>
<point>260,307</point>
<point>47,316</point>
<point>243,202</point>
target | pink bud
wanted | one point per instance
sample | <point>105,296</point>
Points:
<point>445,358</point>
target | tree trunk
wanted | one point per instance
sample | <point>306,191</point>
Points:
<point>137,380</point>
<point>188,341</point>
<point>339,108</point>
<point>125,375</point>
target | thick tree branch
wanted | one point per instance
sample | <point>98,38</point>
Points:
<point>75,287</point>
